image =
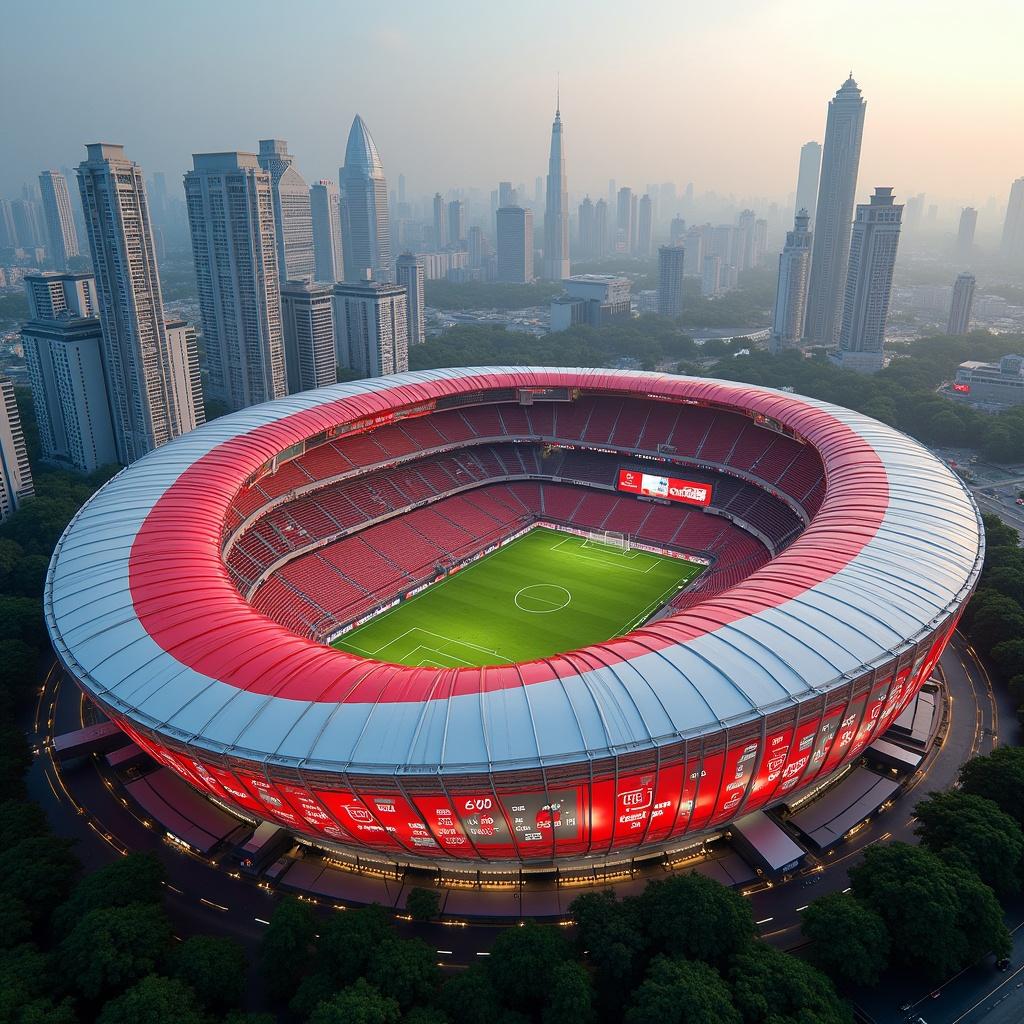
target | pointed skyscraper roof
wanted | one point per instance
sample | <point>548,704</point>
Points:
<point>360,152</point>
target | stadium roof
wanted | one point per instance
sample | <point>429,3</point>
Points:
<point>142,610</point>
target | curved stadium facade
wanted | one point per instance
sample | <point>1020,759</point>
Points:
<point>195,596</point>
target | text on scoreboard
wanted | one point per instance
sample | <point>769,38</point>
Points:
<point>688,491</point>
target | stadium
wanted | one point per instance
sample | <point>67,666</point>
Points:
<point>513,616</point>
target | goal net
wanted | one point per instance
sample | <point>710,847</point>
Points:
<point>610,538</point>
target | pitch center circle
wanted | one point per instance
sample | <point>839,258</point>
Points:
<point>542,598</point>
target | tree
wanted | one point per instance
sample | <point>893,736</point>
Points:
<point>1009,656</point>
<point>695,916</point>
<point>521,964</point>
<point>20,819</point>
<point>1008,580</point>
<point>682,992</point>
<point>214,967</point>
<point>999,777</point>
<point>773,987</point>
<point>850,941</point>
<point>39,871</point>
<point>348,941</point>
<point>284,951</point>
<point>469,997</point>
<point>26,983</point>
<point>989,839</point>
<point>423,904</point>
<point>360,1003</point>
<point>114,947</point>
<point>998,533</point>
<point>425,1015</point>
<point>995,619</point>
<point>154,1000</point>
<point>939,916</point>
<point>610,933</point>
<point>570,997</point>
<point>136,878</point>
<point>404,969</point>
<point>15,922</point>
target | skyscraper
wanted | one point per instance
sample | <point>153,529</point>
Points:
<point>875,238</point>
<point>440,222</point>
<point>293,221</point>
<point>585,221</point>
<point>515,245</point>
<point>234,246</point>
<point>556,210</point>
<point>149,383</point>
<point>600,228</point>
<point>960,306</point>
<point>60,221</point>
<point>791,290</point>
<point>670,280</point>
<point>506,194</point>
<point>624,224</point>
<point>1013,226</point>
<point>807,178</point>
<point>644,226</point>
<point>8,232</point>
<point>63,342</point>
<point>28,223</point>
<point>15,471</point>
<point>676,230</point>
<point>965,233</point>
<point>307,312</point>
<point>371,327</point>
<point>745,240</point>
<point>364,208</point>
<point>456,222</point>
<point>711,277</point>
<point>325,210</point>
<point>844,128</point>
<point>410,274</point>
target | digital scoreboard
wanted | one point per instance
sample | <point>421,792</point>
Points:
<point>689,492</point>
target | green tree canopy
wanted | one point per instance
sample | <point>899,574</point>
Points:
<point>137,878</point>
<point>850,941</point>
<point>610,932</point>
<point>214,967</point>
<point>423,904</point>
<point>154,1000</point>
<point>570,998</point>
<point>677,991</point>
<point>694,916</point>
<point>522,963</point>
<point>285,948</point>
<point>999,777</point>
<point>404,969</point>
<point>990,840</point>
<point>360,1003</point>
<point>772,987</point>
<point>112,948</point>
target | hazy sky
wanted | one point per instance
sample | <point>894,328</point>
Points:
<point>459,94</point>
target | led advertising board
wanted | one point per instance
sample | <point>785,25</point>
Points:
<point>689,492</point>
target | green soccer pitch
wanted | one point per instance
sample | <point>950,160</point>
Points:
<point>544,593</point>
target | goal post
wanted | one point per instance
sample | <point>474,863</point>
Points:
<point>609,538</point>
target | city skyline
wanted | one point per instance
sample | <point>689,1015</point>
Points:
<point>411,126</point>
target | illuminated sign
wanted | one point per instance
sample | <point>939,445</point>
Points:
<point>687,491</point>
<point>962,388</point>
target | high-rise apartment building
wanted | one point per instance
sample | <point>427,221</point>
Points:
<point>600,228</point>
<point>15,472</point>
<point>307,313</point>
<point>234,246</point>
<point>293,219</point>
<point>325,211</point>
<point>624,227</point>
<point>371,327</point>
<point>807,179</point>
<point>28,223</point>
<point>515,245</point>
<point>677,230</point>
<point>63,343</point>
<point>965,232</point>
<point>556,209</point>
<point>873,245</point>
<point>1013,225</point>
<point>644,226</point>
<point>960,305</point>
<point>456,222</point>
<point>670,280</point>
<point>151,391</point>
<point>364,208</point>
<point>844,128</point>
<point>8,232</point>
<point>791,290</point>
<point>711,277</point>
<point>410,274</point>
<point>440,222</point>
<point>60,220</point>
<point>745,240</point>
<point>585,223</point>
